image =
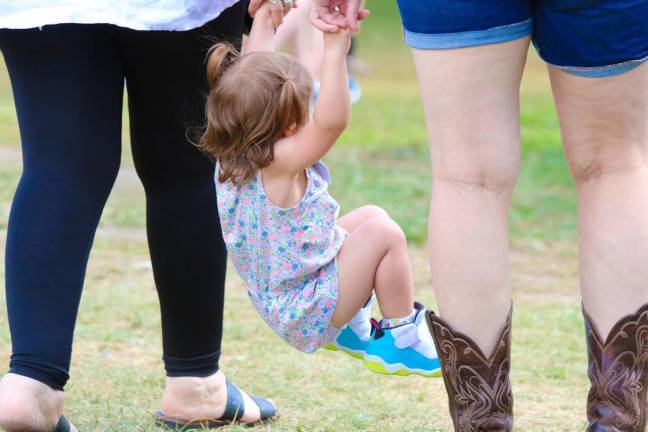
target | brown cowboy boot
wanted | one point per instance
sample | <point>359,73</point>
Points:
<point>479,389</point>
<point>618,372</point>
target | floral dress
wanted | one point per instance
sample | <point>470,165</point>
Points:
<point>287,256</point>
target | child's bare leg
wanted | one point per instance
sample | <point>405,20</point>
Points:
<point>374,257</point>
<point>357,217</point>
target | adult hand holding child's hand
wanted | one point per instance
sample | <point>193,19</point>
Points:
<point>332,15</point>
<point>278,9</point>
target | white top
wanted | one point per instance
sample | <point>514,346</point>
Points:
<point>134,14</point>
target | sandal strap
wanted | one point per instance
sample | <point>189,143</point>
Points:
<point>234,411</point>
<point>235,406</point>
<point>62,426</point>
<point>266,409</point>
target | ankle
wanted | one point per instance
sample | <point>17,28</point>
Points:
<point>393,321</point>
<point>28,405</point>
<point>190,396</point>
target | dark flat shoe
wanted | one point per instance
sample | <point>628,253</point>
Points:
<point>234,410</point>
<point>63,425</point>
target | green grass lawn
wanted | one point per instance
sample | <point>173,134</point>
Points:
<point>117,373</point>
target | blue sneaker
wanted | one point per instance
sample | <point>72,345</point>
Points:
<point>355,91</point>
<point>403,350</point>
<point>355,336</point>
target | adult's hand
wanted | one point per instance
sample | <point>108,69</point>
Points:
<point>278,9</point>
<point>333,15</point>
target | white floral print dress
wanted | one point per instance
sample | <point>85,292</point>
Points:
<point>287,256</point>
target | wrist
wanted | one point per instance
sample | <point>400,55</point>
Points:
<point>263,12</point>
<point>335,53</point>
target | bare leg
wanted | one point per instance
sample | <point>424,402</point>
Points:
<point>603,124</point>
<point>374,257</point>
<point>471,101</point>
<point>357,217</point>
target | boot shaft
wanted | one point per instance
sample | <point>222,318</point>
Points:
<point>479,389</point>
<point>618,373</point>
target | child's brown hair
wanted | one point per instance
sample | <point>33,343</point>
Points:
<point>254,99</point>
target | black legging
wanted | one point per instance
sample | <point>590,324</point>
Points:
<point>68,84</point>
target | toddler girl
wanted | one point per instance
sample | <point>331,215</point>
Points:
<point>308,272</point>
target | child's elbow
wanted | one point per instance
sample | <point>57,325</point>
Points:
<point>336,126</point>
<point>341,125</point>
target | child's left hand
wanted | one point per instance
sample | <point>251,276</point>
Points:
<point>263,27</point>
<point>337,42</point>
<point>263,12</point>
<point>275,9</point>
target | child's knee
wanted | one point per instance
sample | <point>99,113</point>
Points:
<point>373,211</point>
<point>388,230</point>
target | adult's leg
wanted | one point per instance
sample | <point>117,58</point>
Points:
<point>604,125</point>
<point>68,84</point>
<point>473,123</point>
<point>165,73</point>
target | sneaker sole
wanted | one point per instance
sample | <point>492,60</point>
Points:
<point>354,354</point>
<point>376,364</point>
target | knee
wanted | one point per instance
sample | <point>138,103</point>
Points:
<point>593,163</point>
<point>388,231</point>
<point>372,211</point>
<point>583,170</point>
<point>83,176</point>
<point>492,173</point>
<point>185,174</point>
<point>104,177</point>
<point>498,183</point>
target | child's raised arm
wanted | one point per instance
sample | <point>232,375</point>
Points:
<point>262,33</point>
<point>331,114</point>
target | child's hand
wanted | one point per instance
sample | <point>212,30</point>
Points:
<point>263,29</point>
<point>338,42</point>
<point>263,12</point>
<point>275,10</point>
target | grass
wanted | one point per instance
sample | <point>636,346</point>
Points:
<point>117,373</point>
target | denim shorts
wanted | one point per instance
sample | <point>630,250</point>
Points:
<point>591,38</point>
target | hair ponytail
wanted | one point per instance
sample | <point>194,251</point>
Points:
<point>293,102</point>
<point>255,100</point>
<point>219,58</point>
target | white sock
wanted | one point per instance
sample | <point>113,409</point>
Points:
<point>393,322</point>
<point>360,322</point>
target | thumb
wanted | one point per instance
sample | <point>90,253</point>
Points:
<point>351,10</point>
<point>362,14</point>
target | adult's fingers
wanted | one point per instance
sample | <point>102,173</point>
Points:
<point>277,13</point>
<point>362,14</point>
<point>322,25</point>
<point>254,6</point>
<point>288,5</point>
<point>326,21</point>
<point>351,10</point>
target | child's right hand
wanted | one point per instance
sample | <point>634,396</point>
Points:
<point>338,42</point>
